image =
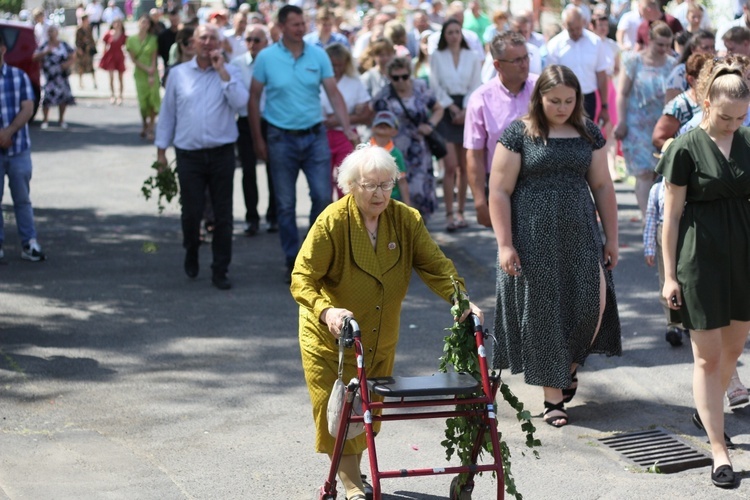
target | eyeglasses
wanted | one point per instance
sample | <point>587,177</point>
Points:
<point>371,187</point>
<point>603,18</point>
<point>517,61</point>
<point>396,78</point>
<point>253,39</point>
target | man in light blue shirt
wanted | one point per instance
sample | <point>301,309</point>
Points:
<point>256,38</point>
<point>198,117</point>
<point>291,72</point>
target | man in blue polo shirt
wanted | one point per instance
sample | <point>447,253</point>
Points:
<point>291,73</point>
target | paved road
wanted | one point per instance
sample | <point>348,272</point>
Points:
<point>122,379</point>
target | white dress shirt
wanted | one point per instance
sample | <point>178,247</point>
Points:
<point>199,108</point>
<point>451,79</point>
<point>245,64</point>
<point>585,56</point>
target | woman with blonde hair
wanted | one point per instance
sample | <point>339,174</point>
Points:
<point>640,100</point>
<point>706,238</point>
<point>356,99</point>
<point>375,64</point>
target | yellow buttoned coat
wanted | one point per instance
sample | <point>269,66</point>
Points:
<point>338,266</point>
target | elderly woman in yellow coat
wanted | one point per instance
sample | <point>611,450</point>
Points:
<point>357,261</point>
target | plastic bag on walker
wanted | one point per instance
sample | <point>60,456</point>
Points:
<point>336,407</point>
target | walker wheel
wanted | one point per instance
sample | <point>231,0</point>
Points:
<point>320,494</point>
<point>464,494</point>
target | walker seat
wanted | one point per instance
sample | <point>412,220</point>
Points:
<point>439,384</point>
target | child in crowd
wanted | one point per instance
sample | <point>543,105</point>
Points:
<point>652,251</point>
<point>384,129</point>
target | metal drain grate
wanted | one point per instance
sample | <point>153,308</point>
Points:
<point>646,448</point>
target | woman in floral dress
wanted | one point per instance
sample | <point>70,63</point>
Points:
<point>418,113</point>
<point>640,102</point>
<point>57,57</point>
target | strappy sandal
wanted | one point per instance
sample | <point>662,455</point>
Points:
<point>551,419</point>
<point>451,225</point>
<point>461,223</point>
<point>571,391</point>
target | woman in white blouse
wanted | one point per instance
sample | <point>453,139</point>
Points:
<point>455,72</point>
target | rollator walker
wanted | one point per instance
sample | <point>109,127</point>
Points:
<point>409,392</point>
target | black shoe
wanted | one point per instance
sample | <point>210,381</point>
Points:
<point>674,336</point>
<point>221,281</point>
<point>723,477</point>
<point>288,274</point>
<point>251,229</point>
<point>273,227</point>
<point>727,440</point>
<point>367,487</point>
<point>191,262</point>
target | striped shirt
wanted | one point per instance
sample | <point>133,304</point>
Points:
<point>15,88</point>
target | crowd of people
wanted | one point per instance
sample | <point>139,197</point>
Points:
<point>528,118</point>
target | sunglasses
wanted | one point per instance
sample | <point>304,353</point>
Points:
<point>253,39</point>
<point>396,78</point>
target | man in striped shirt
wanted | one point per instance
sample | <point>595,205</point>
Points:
<point>16,109</point>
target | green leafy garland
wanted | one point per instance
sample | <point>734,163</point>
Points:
<point>460,353</point>
<point>165,182</point>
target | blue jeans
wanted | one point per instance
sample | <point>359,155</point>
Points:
<point>18,170</point>
<point>287,155</point>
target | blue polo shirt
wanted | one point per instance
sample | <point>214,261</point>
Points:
<point>292,85</point>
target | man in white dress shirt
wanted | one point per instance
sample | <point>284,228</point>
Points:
<point>584,53</point>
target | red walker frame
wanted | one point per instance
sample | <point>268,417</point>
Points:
<point>441,384</point>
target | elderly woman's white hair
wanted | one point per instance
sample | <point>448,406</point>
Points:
<point>366,159</point>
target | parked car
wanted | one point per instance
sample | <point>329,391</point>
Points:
<point>20,46</point>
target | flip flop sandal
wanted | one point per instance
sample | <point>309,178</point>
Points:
<point>571,391</point>
<point>559,407</point>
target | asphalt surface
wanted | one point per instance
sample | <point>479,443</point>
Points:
<point>120,378</point>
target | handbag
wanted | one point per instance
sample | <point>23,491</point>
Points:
<point>434,140</point>
<point>336,403</point>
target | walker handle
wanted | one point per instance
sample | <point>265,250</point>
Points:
<point>350,331</point>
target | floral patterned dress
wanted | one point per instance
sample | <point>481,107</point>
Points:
<point>56,87</point>
<point>417,155</point>
<point>645,105</point>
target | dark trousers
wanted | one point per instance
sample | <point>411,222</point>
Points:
<point>589,105</point>
<point>212,169</point>
<point>249,162</point>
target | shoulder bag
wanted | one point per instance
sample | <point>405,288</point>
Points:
<point>336,403</point>
<point>434,140</point>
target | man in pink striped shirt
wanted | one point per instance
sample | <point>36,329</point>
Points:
<point>491,108</point>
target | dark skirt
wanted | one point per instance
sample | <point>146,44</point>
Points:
<point>452,133</point>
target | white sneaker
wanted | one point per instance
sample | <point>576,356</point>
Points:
<point>32,251</point>
<point>44,126</point>
<point>64,125</point>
